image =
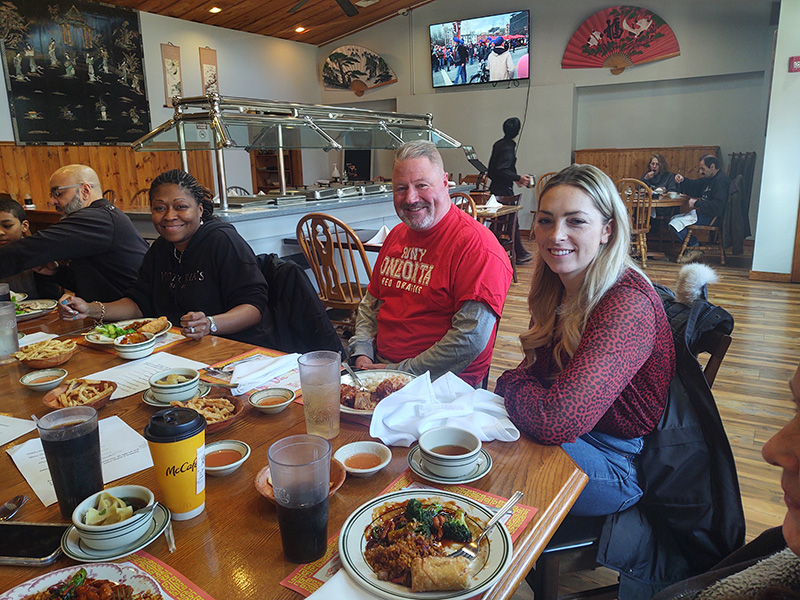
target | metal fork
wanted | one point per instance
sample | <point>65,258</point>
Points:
<point>356,380</point>
<point>470,550</point>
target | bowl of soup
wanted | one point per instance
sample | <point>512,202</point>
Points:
<point>43,380</point>
<point>225,456</point>
<point>174,385</point>
<point>449,451</point>
<point>363,459</point>
<point>105,520</point>
<point>271,401</point>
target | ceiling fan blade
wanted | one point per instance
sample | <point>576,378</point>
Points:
<point>296,7</point>
<point>347,7</point>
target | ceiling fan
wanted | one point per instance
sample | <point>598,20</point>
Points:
<point>345,5</point>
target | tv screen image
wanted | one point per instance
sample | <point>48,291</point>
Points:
<point>480,50</point>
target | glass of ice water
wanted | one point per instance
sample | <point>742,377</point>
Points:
<point>9,342</point>
<point>320,380</point>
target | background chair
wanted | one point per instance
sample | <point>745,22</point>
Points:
<point>110,195</point>
<point>478,182</point>
<point>236,190</point>
<point>338,261</point>
<point>503,227</point>
<point>465,203</point>
<point>638,199</point>
<point>539,187</point>
<point>141,198</point>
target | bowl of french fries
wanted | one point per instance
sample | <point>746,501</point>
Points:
<point>46,354</point>
<point>220,412</point>
<point>80,392</point>
<point>135,345</point>
<point>174,385</point>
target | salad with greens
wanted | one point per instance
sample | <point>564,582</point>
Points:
<point>112,331</point>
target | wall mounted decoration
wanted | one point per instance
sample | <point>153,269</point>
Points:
<point>208,70</point>
<point>74,72</point>
<point>619,37</point>
<point>171,65</point>
<point>357,69</point>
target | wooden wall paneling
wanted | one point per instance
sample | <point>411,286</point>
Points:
<point>632,162</point>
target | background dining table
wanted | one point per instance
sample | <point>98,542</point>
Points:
<point>233,549</point>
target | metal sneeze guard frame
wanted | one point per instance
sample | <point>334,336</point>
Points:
<point>214,123</point>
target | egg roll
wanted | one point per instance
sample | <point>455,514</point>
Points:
<point>439,573</point>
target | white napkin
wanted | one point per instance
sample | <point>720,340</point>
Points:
<point>491,204</point>
<point>379,237</point>
<point>341,585</point>
<point>37,336</point>
<point>679,222</point>
<point>400,418</point>
<point>251,374</point>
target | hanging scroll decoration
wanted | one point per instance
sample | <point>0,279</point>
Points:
<point>619,37</point>
<point>171,64</point>
<point>355,68</point>
<point>208,70</point>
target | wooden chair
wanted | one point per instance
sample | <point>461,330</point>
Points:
<point>480,198</point>
<point>110,195</point>
<point>503,228</point>
<point>542,181</point>
<point>465,203</point>
<point>575,543</point>
<point>236,190</point>
<point>478,182</point>
<point>338,261</point>
<point>638,199</point>
<point>141,198</point>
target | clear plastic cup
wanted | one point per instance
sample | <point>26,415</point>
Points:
<point>320,380</point>
<point>9,340</point>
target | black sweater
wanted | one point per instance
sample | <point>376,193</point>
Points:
<point>503,168</point>
<point>712,191</point>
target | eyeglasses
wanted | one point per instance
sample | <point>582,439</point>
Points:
<point>56,192</point>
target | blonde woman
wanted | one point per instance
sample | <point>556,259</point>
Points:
<point>599,354</point>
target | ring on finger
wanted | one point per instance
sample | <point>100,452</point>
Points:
<point>190,329</point>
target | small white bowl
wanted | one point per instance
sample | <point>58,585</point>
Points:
<point>134,351</point>
<point>445,464</point>
<point>116,535</point>
<point>377,449</point>
<point>33,380</point>
<point>235,445</point>
<point>178,392</point>
<point>271,401</point>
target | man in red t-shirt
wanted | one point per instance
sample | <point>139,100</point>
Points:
<point>438,287</point>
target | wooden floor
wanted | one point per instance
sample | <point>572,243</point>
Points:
<point>751,389</point>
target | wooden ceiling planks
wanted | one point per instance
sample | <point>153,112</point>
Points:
<point>323,19</point>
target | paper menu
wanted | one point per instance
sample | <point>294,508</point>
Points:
<point>133,377</point>
<point>11,428</point>
<point>123,452</point>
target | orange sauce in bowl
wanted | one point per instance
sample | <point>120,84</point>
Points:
<point>362,460</point>
<point>222,458</point>
<point>45,379</point>
<point>272,401</point>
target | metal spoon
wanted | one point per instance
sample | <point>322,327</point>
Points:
<point>144,510</point>
<point>10,508</point>
<point>356,380</point>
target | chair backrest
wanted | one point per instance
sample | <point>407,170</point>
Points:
<point>716,344</point>
<point>509,200</point>
<point>236,190</point>
<point>480,198</point>
<point>334,254</point>
<point>141,198</point>
<point>638,199</point>
<point>110,195</point>
<point>541,183</point>
<point>478,182</point>
<point>465,203</point>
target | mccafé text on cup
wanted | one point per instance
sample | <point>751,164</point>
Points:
<point>177,438</point>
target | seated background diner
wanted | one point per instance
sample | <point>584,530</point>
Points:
<point>768,566</point>
<point>199,272</point>
<point>13,227</point>
<point>599,355</point>
<point>658,174</point>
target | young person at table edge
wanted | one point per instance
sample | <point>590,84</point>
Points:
<point>99,240</point>
<point>599,355</point>
<point>439,284</point>
<point>199,272</point>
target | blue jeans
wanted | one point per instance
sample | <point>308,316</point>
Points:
<point>461,73</point>
<point>681,235</point>
<point>613,483</point>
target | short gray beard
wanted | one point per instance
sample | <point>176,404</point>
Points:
<point>427,224</point>
<point>74,205</point>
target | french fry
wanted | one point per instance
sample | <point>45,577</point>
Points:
<point>84,391</point>
<point>45,349</point>
<point>213,409</point>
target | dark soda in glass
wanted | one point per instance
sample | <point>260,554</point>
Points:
<point>304,531</point>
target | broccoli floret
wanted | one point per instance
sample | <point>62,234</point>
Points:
<point>455,528</point>
<point>415,511</point>
<point>421,516</point>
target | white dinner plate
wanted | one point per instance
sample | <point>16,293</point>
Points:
<point>352,544</point>
<point>97,338</point>
<point>18,296</point>
<point>36,308</point>
<point>368,378</point>
<point>203,389</point>
<point>73,547</point>
<point>130,575</point>
<point>482,466</point>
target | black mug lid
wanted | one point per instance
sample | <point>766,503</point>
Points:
<point>174,424</point>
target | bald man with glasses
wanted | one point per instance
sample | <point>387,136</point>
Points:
<point>94,250</point>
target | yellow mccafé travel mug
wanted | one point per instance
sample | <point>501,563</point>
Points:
<point>177,438</point>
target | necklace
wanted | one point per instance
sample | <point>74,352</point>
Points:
<point>177,256</point>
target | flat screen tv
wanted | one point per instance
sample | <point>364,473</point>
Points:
<point>480,50</point>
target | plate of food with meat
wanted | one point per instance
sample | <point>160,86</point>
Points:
<point>106,333</point>
<point>398,546</point>
<point>379,383</point>
<point>29,309</point>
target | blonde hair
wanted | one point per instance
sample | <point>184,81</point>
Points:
<point>550,318</point>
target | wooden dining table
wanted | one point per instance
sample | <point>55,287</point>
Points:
<point>233,549</point>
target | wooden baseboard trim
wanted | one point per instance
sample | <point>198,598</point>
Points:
<point>764,276</point>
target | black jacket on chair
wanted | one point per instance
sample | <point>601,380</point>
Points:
<point>295,320</point>
<point>690,516</point>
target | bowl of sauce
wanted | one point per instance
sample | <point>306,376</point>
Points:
<point>43,380</point>
<point>225,456</point>
<point>272,400</point>
<point>363,459</point>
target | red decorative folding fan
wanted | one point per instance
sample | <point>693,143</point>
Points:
<point>619,37</point>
